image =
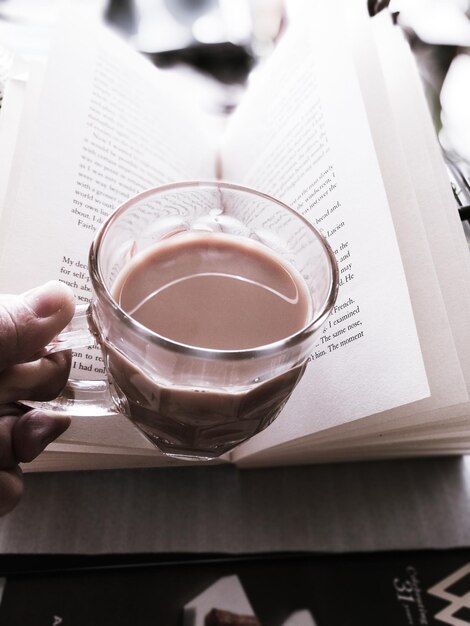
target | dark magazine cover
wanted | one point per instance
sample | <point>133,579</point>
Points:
<point>368,589</point>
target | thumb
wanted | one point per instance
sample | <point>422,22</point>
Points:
<point>29,321</point>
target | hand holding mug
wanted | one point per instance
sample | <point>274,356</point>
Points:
<point>27,323</point>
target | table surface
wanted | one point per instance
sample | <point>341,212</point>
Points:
<point>388,505</point>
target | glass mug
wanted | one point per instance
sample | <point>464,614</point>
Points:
<point>193,402</point>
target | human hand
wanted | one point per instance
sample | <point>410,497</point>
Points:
<point>27,323</point>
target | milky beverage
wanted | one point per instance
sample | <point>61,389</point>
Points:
<point>218,292</point>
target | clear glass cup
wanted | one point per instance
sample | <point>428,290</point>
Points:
<point>193,402</point>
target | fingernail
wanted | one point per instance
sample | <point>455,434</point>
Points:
<point>47,299</point>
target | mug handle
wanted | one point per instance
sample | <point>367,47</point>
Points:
<point>79,397</point>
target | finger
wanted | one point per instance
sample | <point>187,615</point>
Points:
<point>12,409</point>
<point>34,431</point>
<point>24,435</point>
<point>11,489</point>
<point>39,380</point>
<point>7,456</point>
<point>28,322</point>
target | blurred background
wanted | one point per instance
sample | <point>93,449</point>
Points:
<point>212,46</point>
<point>439,35</point>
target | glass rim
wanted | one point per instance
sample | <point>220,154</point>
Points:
<point>265,350</point>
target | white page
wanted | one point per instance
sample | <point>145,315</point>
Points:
<point>298,95</point>
<point>317,447</point>
<point>433,219</point>
<point>85,458</point>
<point>360,454</point>
<point>10,119</point>
<point>112,132</point>
<point>438,207</point>
<point>104,129</point>
<point>423,213</point>
<point>429,225</point>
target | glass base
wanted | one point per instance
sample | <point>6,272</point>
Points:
<point>173,451</point>
<point>189,458</point>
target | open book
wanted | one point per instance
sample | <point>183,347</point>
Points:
<point>335,124</point>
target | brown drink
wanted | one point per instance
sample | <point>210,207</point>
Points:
<point>212,291</point>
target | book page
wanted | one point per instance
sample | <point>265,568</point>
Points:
<point>433,217</point>
<point>304,125</point>
<point>10,120</point>
<point>440,218</point>
<point>104,128</point>
<point>430,244</point>
<point>107,130</point>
